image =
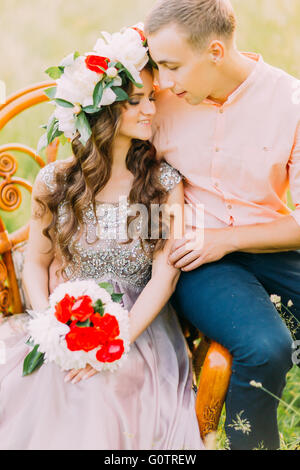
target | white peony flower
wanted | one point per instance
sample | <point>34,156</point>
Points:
<point>125,47</point>
<point>66,121</point>
<point>77,83</point>
<point>109,97</point>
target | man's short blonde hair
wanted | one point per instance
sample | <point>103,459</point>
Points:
<point>200,19</point>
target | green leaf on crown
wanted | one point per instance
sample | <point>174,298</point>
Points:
<point>91,109</point>
<point>55,72</point>
<point>83,127</point>
<point>138,85</point>
<point>107,286</point>
<point>51,129</point>
<point>98,93</point>
<point>33,361</point>
<point>51,92</point>
<point>63,103</point>
<point>120,93</point>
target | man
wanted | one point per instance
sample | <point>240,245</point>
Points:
<point>230,124</point>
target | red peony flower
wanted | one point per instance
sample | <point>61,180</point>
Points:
<point>94,62</point>
<point>141,33</point>
<point>107,324</point>
<point>85,339</point>
<point>111,351</point>
<point>63,308</point>
<point>82,309</point>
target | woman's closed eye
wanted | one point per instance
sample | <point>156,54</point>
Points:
<point>135,102</point>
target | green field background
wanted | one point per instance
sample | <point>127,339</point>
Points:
<point>36,34</point>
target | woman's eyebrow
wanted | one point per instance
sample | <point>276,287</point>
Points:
<point>142,94</point>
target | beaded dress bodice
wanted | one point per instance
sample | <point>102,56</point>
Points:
<point>100,251</point>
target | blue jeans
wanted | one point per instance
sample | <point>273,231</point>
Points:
<point>229,301</point>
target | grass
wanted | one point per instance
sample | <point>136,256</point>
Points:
<point>37,34</point>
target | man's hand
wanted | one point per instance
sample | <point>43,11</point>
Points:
<point>81,374</point>
<point>188,254</point>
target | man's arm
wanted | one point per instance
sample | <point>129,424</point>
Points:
<point>273,237</point>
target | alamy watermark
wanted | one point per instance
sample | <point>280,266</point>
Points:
<point>2,92</point>
<point>161,221</point>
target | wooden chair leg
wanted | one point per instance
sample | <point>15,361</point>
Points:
<point>212,388</point>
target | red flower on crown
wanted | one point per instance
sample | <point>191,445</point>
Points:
<point>141,33</point>
<point>94,62</point>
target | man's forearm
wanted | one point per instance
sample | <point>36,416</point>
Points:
<point>273,237</point>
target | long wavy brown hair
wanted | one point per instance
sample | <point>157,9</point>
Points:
<point>80,180</point>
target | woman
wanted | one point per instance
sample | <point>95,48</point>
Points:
<point>148,403</point>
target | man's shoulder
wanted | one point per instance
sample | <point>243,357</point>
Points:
<point>282,78</point>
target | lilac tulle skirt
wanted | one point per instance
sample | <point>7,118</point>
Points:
<point>147,404</point>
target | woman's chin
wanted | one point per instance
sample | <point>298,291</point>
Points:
<point>144,135</point>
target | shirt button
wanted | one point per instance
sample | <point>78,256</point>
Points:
<point>221,111</point>
<point>217,149</point>
<point>216,184</point>
<point>229,207</point>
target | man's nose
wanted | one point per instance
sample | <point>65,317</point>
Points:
<point>149,108</point>
<point>165,81</point>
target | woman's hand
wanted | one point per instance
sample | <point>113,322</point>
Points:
<point>76,375</point>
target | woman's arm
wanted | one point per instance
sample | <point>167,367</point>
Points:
<point>35,273</point>
<point>164,276</point>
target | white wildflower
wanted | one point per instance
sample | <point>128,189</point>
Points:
<point>255,384</point>
<point>275,299</point>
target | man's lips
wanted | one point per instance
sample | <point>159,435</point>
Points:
<point>181,95</point>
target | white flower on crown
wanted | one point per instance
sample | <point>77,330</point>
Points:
<point>77,83</point>
<point>125,47</point>
<point>66,121</point>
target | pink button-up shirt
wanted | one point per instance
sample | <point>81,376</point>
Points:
<point>238,159</point>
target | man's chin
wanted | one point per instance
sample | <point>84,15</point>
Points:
<point>192,100</point>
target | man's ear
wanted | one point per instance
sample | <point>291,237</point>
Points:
<point>216,51</point>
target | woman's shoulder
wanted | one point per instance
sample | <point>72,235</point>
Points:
<point>169,177</point>
<point>47,174</point>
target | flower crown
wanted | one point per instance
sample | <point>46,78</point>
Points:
<point>86,83</point>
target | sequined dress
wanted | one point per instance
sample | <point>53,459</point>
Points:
<point>149,403</point>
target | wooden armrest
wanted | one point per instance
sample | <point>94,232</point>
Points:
<point>212,389</point>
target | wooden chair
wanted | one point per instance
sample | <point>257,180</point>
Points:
<point>212,362</point>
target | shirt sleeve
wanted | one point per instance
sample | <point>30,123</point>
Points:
<point>294,175</point>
